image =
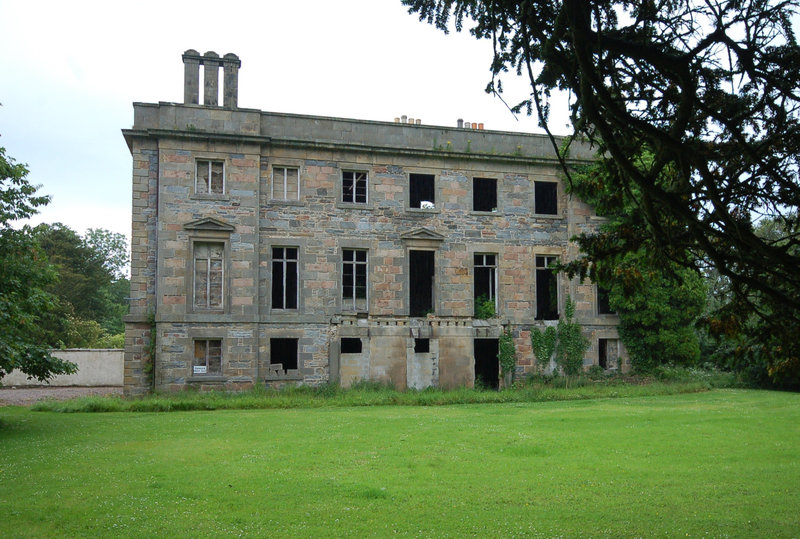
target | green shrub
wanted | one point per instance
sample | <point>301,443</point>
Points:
<point>484,308</point>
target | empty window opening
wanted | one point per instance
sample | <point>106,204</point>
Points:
<point>485,286</point>
<point>603,305</point>
<point>608,353</point>
<point>421,281</point>
<point>351,345</point>
<point>546,288</point>
<point>545,198</point>
<point>422,346</point>
<point>421,191</point>
<point>283,352</point>
<point>208,275</point>
<point>209,177</point>
<point>354,280</point>
<point>284,277</point>
<point>285,183</point>
<point>354,187</point>
<point>487,366</point>
<point>484,194</point>
<point>207,357</point>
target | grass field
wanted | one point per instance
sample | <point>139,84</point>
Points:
<point>724,463</point>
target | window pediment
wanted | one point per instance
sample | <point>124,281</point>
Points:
<point>209,224</point>
<point>422,234</point>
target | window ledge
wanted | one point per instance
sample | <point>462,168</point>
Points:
<point>548,216</point>
<point>207,379</point>
<point>354,206</point>
<point>423,210</point>
<point>282,202</point>
<point>489,213</point>
<point>200,196</point>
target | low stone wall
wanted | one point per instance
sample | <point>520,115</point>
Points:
<point>96,367</point>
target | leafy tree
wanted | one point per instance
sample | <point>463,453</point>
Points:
<point>711,89</point>
<point>24,275</point>
<point>658,301</point>
<point>90,285</point>
<point>657,319</point>
<point>113,247</point>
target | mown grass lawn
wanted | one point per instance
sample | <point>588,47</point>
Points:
<point>719,463</point>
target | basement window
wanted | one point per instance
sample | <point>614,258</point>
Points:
<point>351,345</point>
<point>283,352</point>
<point>354,187</point>
<point>484,194</point>
<point>422,193</point>
<point>422,346</point>
<point>285,183</point>
<point>209,177</point>
<point>545,198</point>
<point>546,288</point>
<point>207,357</point>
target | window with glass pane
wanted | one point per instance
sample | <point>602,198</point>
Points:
<point>285,183</point>
<point>354,187</point>
<point>485,285</point>
<point>354,280</point>
<point>207,357</point>
<point>208,275</point>
<point>284,277</point>
<point>210,177</point>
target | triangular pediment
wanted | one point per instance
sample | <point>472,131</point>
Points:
<point>209,224</point>
<point>422,234</point>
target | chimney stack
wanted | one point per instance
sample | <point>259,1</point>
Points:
<point>211,62</point>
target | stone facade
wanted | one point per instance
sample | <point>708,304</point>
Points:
<point>323,252</point>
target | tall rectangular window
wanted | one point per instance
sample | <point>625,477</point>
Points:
<point>284,277</point>
<point>422,192</point>
<point>546,288</point>
<point>285,183</point>
<point>484,194</point>
<point>354,187</point>
<point>603,305</point>
<point>207,357</point>
<point>354,280</point>
<point>485,286</point>
<point>421,270</point>
<point>545,195</point>
<point>209,269</point>
<point>209,177</point>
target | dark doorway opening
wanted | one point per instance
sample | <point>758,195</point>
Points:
<point>602,357</point>
<point>421,270</point>
<point>422,346</point>
<point>487,366</point>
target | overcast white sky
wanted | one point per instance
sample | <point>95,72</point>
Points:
<point>71,71</point>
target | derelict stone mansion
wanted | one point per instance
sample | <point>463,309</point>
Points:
<point>282,248</point>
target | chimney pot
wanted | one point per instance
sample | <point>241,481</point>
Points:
<point>460,123</point>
